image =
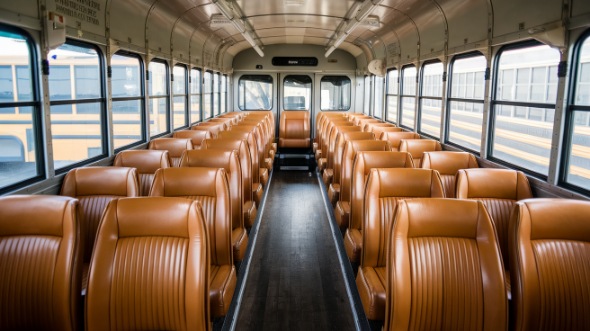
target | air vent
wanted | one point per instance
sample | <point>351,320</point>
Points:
<point>219,21</point>
<point>371,21</point>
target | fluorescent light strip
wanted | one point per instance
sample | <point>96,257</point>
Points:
<point>238,24</point>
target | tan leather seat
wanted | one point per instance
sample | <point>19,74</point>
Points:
<point>229,161</point>
<point>326,142</point>
<point>212,129</point>
<point>263,163</point>
<point>444,271</point>
<point>342,209</point>
<point>249,210</point>
<point>41,243</point>
<point>146,162</point>
<point>195,136</point>
<point>215,126</point>
<point>417,147</point>
<point>395,138</point>
<point>321,117</point>
<point>549,264</point>
<point>371,126</point>
<point>265,133</point>
<point>257,184</point>
<point>95,187</point>
<point>363,122</point>
<point>385,188</point>
<point>209,186</point>
<point>150,270</point>
<point>498,190</point>
<point>174,146</point>
<point>328,173</point>
<point>294,129</point>
<point>363,163</point>
<point>358,117</point>
<point>227,122</point>
<point>378,130</point>
<point>447,164</point>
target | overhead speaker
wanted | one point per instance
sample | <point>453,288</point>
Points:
<point>377,67</point>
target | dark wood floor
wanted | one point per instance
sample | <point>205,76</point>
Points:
<point>295,281</point>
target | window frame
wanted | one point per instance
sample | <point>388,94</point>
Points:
<point>344,77</point>
<point>421,97</point>
<point>199,93</point>
<point>401,96</point>
<point>395,94</point>
<point>205,94</point>
<point>184,96</point>
<point>166,97</point>
<point>378,96</point>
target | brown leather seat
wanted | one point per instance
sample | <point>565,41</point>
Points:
<point>41,243</point>
<point>195,136</point>
<point>339,144</point>
<point>385,188</point>
<point>259,174</point>
<point>249,210</point>
<point>265,133</point>
<point>363,122</point>
<point>256,131</point>
<point>417,147</point>
<point>294,129</point>
<point>395,138</point>
<point>322,161</point>
<point>378,130</point>
<point>210,187</point>
<point>95,187</point>
<point>150,270</point>
<point>229,161</point>
<point>447,164</point>
<point>363,163</point>
<point>358,117</point>
<point>226,122</point>
<point>499,190</point>
<point>212,128</point>
<point>146,162</point>
<point>444,271</point>
<point>371,126</point>
<point>334,137</point>
<point>215,126</point>
<point>174,146</point>
<point>342,209</point>
<point>549,264</point>
<point>321,117</point>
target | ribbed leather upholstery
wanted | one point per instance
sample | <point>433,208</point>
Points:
<point>210,187</point>
<point>256,131</point>
<point>294,129</point>
<point>342,209</point>
<point>151,267</point>
<point>370,127</point>
<point>41,245</point>
<point>358,117</point>
<point>263,127</point>
<point>326,137</point>
<point>212,129</point>
<point>174,146</point>
<point>214,126</point>
<point>444,270</point>
<point>229,161</point>
<point>378,130</point>
<point>363,123</point>
<point>447,164</point>
<point>363,163</point>
<point>385,188</point>
<point>195,136</point>
<point>335,133</point>
<point>146,162</point>
<point>498,189</point>
<point>320,120</point>
<point>95,187</point>
<point>550,264</point>
<point>417,147</point>
<point>249,210</point>
<point>395,138</point>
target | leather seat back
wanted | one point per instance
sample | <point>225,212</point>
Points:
<point>212,129</point>
<point>417,147</point>
<point>338,149</point>
<point>447,163</point>
<point>448,247</point>
<point>386,187</point>
<point>252,149</point>
<point>294,129</point>
<point>369,127</point>
<point>498,189</point>
<point>256,132</point>
<point>174,146</point>
<point>146,162</point>
<point>363,122</point>
<point>328,130</point>
<point>549,255</point>
<point>214,126</point>
<point>357,118</point>
<point>95,187</point>
<point>378,130</point>
<point>227,122</point>
<point>210,187</point>
<point>41,246</point>
<point>395,138</point>
<point>151,270</point>
<point>195,136</point>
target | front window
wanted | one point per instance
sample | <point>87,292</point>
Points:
<point>297,92</point>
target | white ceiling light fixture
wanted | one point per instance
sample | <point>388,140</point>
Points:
<point>366,8</point>
<point>234,15</point>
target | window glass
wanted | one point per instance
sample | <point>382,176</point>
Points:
<point>378,107</point>
<point>75,85</point>
<point>368,96</point>
<point>195,95</point>
<point>180,118</point>
<point>223,93</point>
<point>408,100</point>
<point>216,94</point>
<point>297,92</point>
<point>255,92</point>
<point>126,84</point>
<point>207,95</point>
<point>158,98</point>
<point>19,152</point>
<point>335,93</point>
<point>431,99</point>
<point>392,93</point>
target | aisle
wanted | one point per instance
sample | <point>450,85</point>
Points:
<point>295,280</point>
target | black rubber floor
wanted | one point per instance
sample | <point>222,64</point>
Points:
<point>295,281</point>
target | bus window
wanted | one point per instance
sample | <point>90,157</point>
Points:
<point>297,92</point>
<point>465,103</point>
<point>158,92</point>
<point>368,96</point>
<point>378,91</point>
<point>207,95</point>
<point>77,104</point>
<point>578,159</point>
<point>127,87</point>
<point>179,95</point>
<point>431,99</point>
<point>392,93</point>
<point>216,94</point>
<point>195,95</point>
<point>223,94</point>
<point>19,111</point>
<point>524,106</point>
<point>255,92</point>
<point>408,97</point>
<point>335,93</point>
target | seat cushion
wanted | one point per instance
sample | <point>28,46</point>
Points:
<point>371,285</point>
<point>353,244</point>
<point>221,288</point>
<point>257,193</point>
<point>334,193</point>
<point>250,212</point>
<point>322,163</point>
<point>315,147</point>
<point>327,176</point>
<point>342,214</point>
<point>268,163</point>
<point>263,172</point>
<point>239,240</point>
